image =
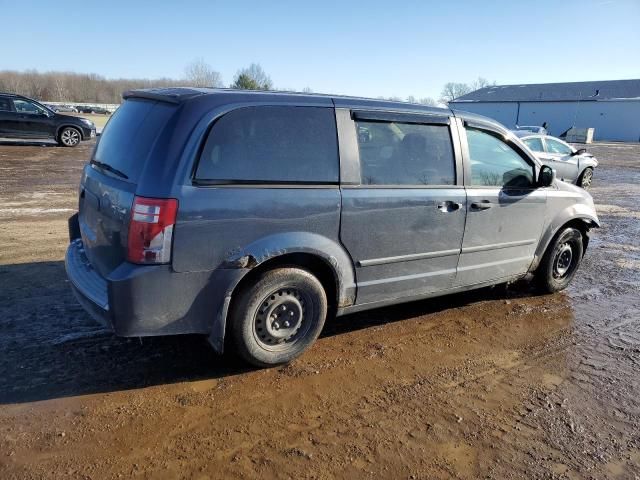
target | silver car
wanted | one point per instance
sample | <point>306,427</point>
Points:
<point>531,129</point>
<point>571,164</point>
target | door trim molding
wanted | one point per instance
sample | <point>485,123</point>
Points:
<point>496,246</point>
<point>528,258</point>
<point>407,258</point>
<point>415,276</point>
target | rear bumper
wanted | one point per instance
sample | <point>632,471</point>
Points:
<point>150,300</point>
<point>88,286</point>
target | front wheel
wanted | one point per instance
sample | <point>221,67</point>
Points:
<point>560,261</point>
<point>69,137</point>
<point>278,317</point>
<point>586,178</point>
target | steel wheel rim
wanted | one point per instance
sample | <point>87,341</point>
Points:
<point>563,261</point>
<point>283,317</point>
<point>70,137</point>
<point>587,176</point>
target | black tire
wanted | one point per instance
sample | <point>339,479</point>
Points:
<point>560,262</point>
<point>278,317</point>
<point>586,178</point>
<point>69,137</point>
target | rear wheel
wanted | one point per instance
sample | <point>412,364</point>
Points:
<point>69,137</point>
<point>586,177</point>
<point>560,261</point>
<point>279,316</point>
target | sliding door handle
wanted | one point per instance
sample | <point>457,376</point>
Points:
<point>483,205</point>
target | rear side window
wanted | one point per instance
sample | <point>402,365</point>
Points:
<point>128,137</point>
<point>394,153</point>
<point>272,144</point>
<point>535,144</point>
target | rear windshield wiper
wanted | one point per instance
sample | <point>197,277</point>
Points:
<point>109,168</point>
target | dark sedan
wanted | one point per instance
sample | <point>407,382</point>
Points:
<point>22,117</point>
<point>93,109</point>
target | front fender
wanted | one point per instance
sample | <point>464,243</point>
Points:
<point>585,162</point>
<point>577,211</point>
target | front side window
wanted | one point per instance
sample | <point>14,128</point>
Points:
<point>534,144</point>
<point>22,106</point>
<point>554,146</point>
<point>274,144</point>
<point>394,153</point>
<point>495,164</point>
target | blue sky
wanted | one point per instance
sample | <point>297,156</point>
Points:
<point>369,48</point>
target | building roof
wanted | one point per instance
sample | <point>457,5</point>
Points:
<point>556,92</point>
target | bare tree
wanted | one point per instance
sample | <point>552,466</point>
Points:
<point>12,82</point>
<point>74,87</point>
<point>428,101</point>
<point>453,90</point>
<point>200,74</point>
<point>393,98</point>
<point>481,82</point>
<point>60,93</point>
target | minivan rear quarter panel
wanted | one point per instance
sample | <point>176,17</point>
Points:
<point>217,223</point>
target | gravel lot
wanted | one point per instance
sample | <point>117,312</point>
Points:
<point>490,384</point>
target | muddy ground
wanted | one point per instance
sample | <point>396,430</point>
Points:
<point>491,384</point>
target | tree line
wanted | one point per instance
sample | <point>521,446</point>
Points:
<point>94,88</point>
<point>453,90</point>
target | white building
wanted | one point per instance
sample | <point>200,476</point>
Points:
<point>612,107</point>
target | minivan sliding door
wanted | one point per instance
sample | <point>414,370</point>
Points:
<point>403,209</point>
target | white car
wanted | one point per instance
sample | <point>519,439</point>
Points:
<point>531,129</point>
<point>571,165</point>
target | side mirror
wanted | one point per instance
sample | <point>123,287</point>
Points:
<point>580,151</point>
<point>547,176</point>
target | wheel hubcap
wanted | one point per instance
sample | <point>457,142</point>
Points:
<point>586,179</point>
<point>70,137</point>
<point>280,317</point>
<point>563,260</point>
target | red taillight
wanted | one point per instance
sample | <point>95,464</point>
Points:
<point>151,229</point>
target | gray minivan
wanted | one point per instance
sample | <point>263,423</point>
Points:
<point>257,215</point>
